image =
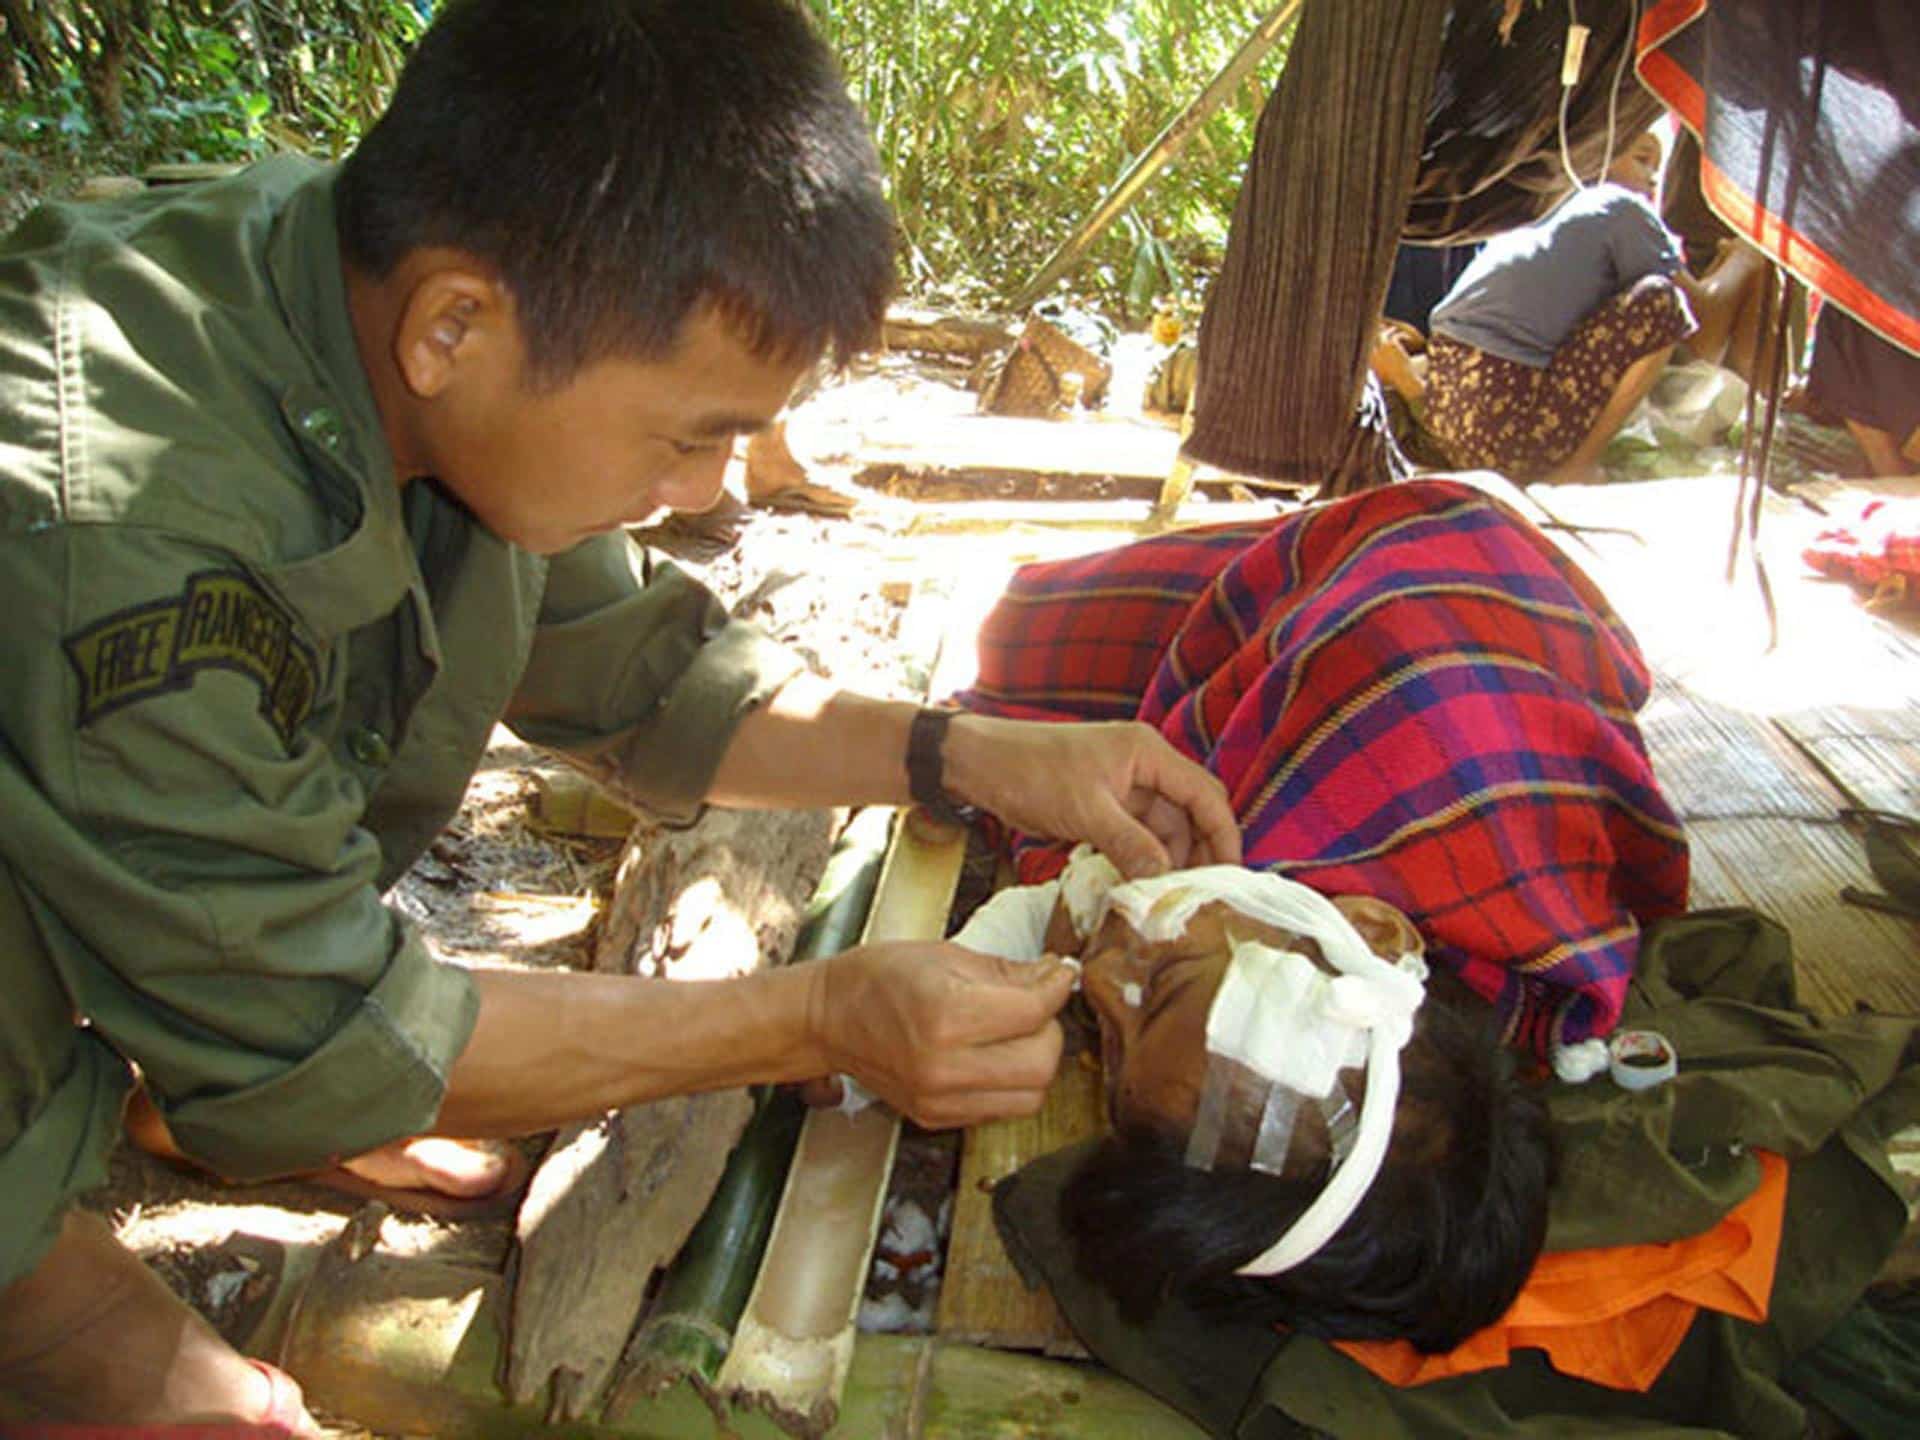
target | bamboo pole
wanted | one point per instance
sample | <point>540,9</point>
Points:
<point>794,1346</point>
<point>795,1342</point>
<point>1165,146</point>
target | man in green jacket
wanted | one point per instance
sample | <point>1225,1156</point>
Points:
<point>307,478</point>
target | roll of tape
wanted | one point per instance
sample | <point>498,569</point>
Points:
<point>1641,1059</point>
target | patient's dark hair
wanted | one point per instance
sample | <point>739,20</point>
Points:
<point>1442,1243</point>
<point>619,162</point>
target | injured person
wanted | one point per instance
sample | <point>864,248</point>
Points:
<point>1299,1131</point>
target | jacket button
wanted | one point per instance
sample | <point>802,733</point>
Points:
<point>369,747</point>
<point>323,426</point>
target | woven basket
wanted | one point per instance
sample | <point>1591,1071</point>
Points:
<point>1031,380</point>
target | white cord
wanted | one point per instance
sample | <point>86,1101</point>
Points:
<point>1569,77</point>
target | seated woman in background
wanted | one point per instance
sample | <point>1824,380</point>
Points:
<point>1557,330</point>
<point>1416,705</point>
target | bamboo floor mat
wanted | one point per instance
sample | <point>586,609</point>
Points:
<point>1760,740</point>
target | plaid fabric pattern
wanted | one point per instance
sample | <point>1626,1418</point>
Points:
<point>1408,694</point>
<point>1492,413</point>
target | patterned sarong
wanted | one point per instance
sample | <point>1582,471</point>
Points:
<point>1492,413</point>
<point>1408,694</point>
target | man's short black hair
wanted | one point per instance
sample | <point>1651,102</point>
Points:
<point>1439,1248</point>
<point>620,162</point>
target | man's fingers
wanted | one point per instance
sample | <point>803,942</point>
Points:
<point>977,1108</point>
<point>1170,825</point>
<point>1005,999</point>
<point>982,1082</point>
<point>1197,792</point>
<point>1134,849</point>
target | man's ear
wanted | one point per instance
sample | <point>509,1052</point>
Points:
<point>1386,929</point>
<point>456,321</point>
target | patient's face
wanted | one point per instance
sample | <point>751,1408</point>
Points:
<point>1154,1052</point>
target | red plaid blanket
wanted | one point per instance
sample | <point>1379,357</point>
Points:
<point>1409,694</point>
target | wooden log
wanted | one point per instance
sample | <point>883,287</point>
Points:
<point>966,337</point>
<point>614,1200</point>
<point>967,445</point>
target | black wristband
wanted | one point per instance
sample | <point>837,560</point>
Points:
<point>926,769</point>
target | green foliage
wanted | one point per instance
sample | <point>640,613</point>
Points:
<point>130,83</point>
<point>1001,123</point>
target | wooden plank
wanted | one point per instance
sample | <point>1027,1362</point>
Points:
<point>982,1298</point>
<point>1871,756</point>
<point>1005,444</point>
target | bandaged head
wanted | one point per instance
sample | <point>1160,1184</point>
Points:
<point>1239,1015</point>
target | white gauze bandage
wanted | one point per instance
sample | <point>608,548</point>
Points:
<point>1289,1021</point>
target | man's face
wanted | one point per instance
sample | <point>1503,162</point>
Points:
<point>1154,1052</point>
<point>1638,166</point>
<point>621,440</point>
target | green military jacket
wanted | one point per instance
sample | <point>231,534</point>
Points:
<point>248,674</point>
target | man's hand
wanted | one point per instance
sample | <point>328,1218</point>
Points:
<point>1119,786</point>
<point>945,1035</point>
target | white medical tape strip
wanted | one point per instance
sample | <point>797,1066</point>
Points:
<point>1210,1117</point>
<point>1641,1059</point>
<point>1335,1205</point>
<point>1343,1125</point>
<point>1277,1119</point>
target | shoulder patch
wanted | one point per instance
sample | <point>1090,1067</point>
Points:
<point>222,620</point>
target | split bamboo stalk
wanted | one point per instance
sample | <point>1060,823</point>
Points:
<point>795,1342</point>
